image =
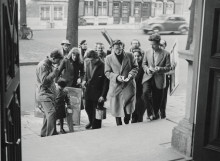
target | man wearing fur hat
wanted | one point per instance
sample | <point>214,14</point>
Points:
<point>156,63</point>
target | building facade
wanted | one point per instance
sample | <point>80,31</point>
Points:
<point>53,13</point>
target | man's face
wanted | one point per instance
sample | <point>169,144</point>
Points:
<point>117,49</point>
<point>84,46</point>
<point>155,45</point>
<point>56,60</point>
<point>135,44</point>
<point>99,48</point>
<point>65,47</point>
<point>138,56</point>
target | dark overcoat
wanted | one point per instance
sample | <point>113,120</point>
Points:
<point>96,82</point>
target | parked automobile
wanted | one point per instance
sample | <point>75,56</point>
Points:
<point>82,21</point>
<point>166,24</point>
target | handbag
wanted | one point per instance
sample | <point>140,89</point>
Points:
<point>100,112</point>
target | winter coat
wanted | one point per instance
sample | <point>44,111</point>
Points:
<point>71,71</point>
<point>45,86</point>
<point>62,100</point>
<point>122,95</point>
<point>96,81</point>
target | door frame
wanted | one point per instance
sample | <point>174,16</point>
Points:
<point>203,78</point>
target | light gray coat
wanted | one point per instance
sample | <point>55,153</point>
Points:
<point>122,95</point>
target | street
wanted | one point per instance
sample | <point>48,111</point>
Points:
<point>44,41</point>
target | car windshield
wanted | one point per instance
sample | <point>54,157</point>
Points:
<point>159,18</point>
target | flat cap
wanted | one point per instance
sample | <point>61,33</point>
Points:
<point>65,42</point>
<point>154,37</point>
<point>117,42</point>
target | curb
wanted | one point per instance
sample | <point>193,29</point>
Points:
<point>28,63</point>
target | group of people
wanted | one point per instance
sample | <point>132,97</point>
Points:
<point>135,81</point>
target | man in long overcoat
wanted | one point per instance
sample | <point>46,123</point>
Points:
<point>121,69</point>
<point>156,63</point>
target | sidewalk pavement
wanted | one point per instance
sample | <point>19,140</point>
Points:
<point>147,141</point>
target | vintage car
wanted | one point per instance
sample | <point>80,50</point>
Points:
<point>165,24</point>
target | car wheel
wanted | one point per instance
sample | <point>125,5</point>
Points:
<point>183,30</point>
<point>145,31</point>
<point>156,29</point>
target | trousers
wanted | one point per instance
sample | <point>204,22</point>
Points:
<point>49,121</point>
<point>90,107</point>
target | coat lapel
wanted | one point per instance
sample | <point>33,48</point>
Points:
<point>124,63</point>
<point>160,58</point>
<point>95,68</point>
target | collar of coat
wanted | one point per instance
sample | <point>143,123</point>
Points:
<point>124,61</point>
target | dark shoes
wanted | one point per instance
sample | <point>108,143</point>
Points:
<point>62,131</point>
<point>88,126</point>
<point>151,117</point>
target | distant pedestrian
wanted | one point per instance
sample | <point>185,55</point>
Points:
<point>156,63</point>
<point>82,49</point>
<point>62,103</point>
<point>47,91</point>
<point>136,45</point>
<point>72,69</point>
<point>65,47</point>
<point>99,48</point>
<point>137,115</point>
<point>121,69</point>
<point>95,87</point>
<point>163,45</point>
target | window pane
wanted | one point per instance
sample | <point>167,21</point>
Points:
<point>58,13</point>
<point>45,13</point>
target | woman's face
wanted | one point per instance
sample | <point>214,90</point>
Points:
<point>74,56</point>
<point>138,56</point>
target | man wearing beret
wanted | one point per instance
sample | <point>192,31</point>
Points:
<point>121,69</point>
<point>156,63</point>
<point>83,49</point>
<point>46,91</point>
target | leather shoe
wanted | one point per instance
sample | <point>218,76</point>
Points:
<point>88,126</point>
<point>62,131</point>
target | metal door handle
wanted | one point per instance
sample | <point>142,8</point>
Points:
<point>11,143</point>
